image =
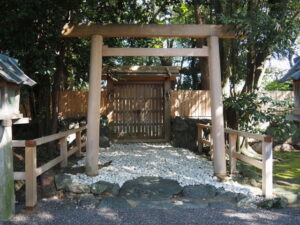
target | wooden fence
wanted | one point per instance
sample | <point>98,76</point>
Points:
<point>266,164</point>
<point>32,171</point>
<point>188,103</point>
<point>184,103</point>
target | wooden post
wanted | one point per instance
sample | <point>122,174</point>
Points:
<point>78,144</point>
<point>232,150</point>
<point>267,172</point>
<point>93,131</point>
<point>63,146</point>
<point>167,120</point>
<point>7,194</point>
<point>30,173</point>
<point>216,107</point>
<point>200,135</point>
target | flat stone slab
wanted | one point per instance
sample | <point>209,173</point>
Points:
<point>223,195</point>
<point>103,186</point>
<point>150,188</point>
<point>113,203</point>
<point>201,191</point>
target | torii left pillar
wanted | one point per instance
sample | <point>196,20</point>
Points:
<point>93,131</point>
<point>7,193</point>
<point>217,117</point>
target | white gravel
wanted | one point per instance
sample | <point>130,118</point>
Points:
<point>130,161</point>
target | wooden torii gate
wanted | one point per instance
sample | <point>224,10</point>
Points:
<point>99,31</point>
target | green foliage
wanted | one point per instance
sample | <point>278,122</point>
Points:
<point>288,167</point>
<point>248,107</point>
<point>278,86</point>
<point>280,128</point>
<point>253,110</point>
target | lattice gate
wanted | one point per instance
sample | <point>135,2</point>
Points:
<point>138,111</point>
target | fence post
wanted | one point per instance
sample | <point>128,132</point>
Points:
<point>63,151</point>
<point>30,174</point>
<point>200,135</point>
<point>267,171</point>
<point>232,150</point>
<point>78,143</point>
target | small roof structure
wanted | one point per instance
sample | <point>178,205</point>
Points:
<point>11,72</point>
<point>293,73</point>
<point>141,72</point>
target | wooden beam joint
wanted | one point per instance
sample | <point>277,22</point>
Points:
<point>30,143</point>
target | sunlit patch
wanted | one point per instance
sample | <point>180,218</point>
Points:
<point>45,216</point>
<point>109,214</point>
<point>20,218</point>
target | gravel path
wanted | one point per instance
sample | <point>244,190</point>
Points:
<point>130,161</point>
<point>67,212</point>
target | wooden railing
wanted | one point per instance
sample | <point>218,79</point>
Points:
<point>32,171</point>
<point>266,164</point>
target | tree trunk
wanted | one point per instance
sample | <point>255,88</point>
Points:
<point>203,61</point>
<point>57,79</point>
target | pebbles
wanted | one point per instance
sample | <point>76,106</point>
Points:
<point>130,161</point>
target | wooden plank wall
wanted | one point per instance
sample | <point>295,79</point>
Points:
<point>185,103</point>
<point>73,104</point>
<point>189,103</point>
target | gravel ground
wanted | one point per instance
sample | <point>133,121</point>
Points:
<point>67,212</point>
<point>130,161</point>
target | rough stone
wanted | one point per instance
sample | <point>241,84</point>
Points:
<point>184,132</point>
<point>284,148</point>
<point>246,203</point>
<point>88,201</point>
<point>229,196</point>
<point>62,181</point>
<point>180,124</point>
<point>104,142</point>
<point>201,191</point>
<point>276,203</point>
<point>150,188</point>
<point>104,129</point>
<point>103,186</point>
<point>113,203</point>
<point>77,188</point>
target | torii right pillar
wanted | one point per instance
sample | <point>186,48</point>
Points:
<point>219,159</point>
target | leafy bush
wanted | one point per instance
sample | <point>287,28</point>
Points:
<point>248,108</point>
<point>280,128</point>
<point>278,86</point>
<point>253,110</point>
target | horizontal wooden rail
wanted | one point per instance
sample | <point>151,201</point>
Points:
<point>249,135</point>
<point>166,52</point>
<point>248,160</point>
<point>266,165</point>
<point>48,165</point>
<point>31,169</point>
<point>53,137</point>
<point>19,176</point>
<point>17,143</point>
